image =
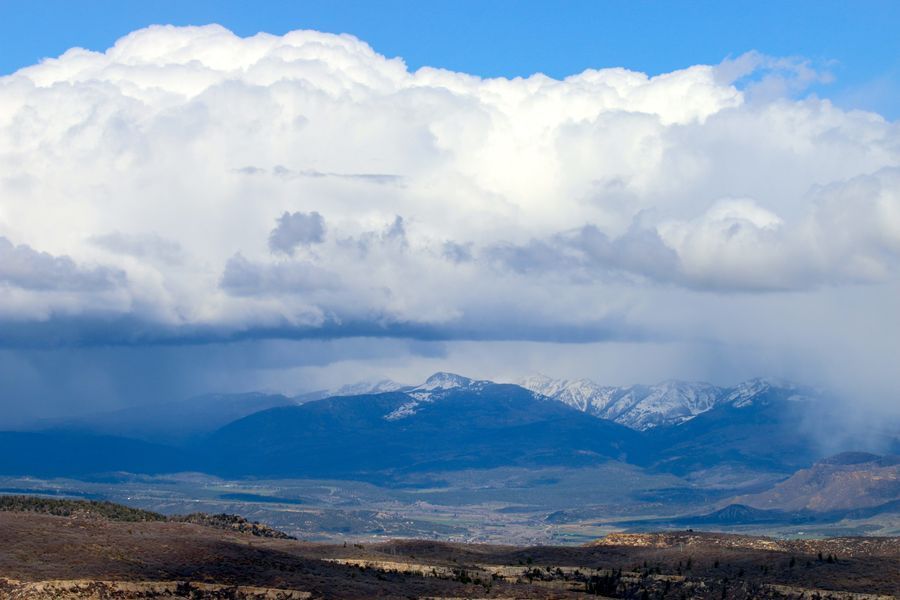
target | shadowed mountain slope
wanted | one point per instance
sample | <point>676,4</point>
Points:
<point>769,430</point>
<point>441,428</point>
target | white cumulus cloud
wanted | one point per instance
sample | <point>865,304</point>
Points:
<point>190,174</point>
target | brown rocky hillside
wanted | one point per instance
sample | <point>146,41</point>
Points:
<point>846,481</point>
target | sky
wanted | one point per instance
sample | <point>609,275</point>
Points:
<point>857,41</point>
<point>628,192</point>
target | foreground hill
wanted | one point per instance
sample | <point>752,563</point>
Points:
<point>439,426</point>
<point>110,511</point>
<point>45,557</point>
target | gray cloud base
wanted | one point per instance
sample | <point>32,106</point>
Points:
<point>25,268</point>
<point>296,229</point>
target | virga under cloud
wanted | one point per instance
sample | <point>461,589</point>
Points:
<point>191,180</point>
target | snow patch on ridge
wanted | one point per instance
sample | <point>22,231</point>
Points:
<point>644,407</point>
<point>367,387</point>
<point>434,388</point>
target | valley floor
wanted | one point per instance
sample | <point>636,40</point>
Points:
<point>551,506</point>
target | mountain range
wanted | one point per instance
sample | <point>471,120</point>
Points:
<point>675,454</point>
<point>452,422</point>
<point>639,407</point>
<point>448,423</point>
<point>644,407</point>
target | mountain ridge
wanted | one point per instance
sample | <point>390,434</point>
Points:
<point>444,428</point>
<point>450,421</point>
<point>850,480</point>
<point>643,407</point>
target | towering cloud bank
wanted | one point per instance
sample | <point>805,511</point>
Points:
<point>189,184</point>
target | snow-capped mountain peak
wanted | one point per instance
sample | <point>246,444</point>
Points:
<point>444,381</point>
<point>761,389</point>
<point>547,385</point>
<point>641,407</point>
<point>745,393</point>
<point>579,393</point>
<point>434,388</point>
<point>644,407</point>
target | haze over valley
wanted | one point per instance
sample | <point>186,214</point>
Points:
<point>545,461</point>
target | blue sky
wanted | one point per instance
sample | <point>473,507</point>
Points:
<point>856,41</point>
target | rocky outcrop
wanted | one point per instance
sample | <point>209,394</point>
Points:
<point>233,523</point>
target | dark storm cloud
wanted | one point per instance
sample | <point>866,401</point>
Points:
<point>83,381</point>
<point>639,251</point>
<point>296,229</point>
<point>500,324</point>
<point>588,253</point>
<point>26,268</point>
<point>66,382</point>
<point>243,277</point>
